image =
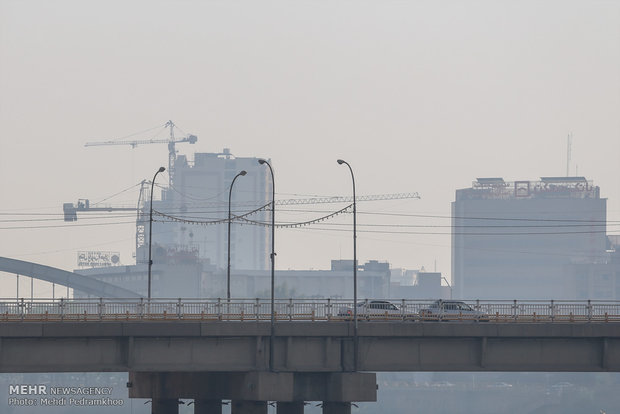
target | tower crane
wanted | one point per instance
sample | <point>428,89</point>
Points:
<point>171,141</point>
<point>84,206</point>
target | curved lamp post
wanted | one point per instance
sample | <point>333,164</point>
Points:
<point>161,169</point>
<point>354,267</point>
<point>229,222</point>
<point>273,259</point>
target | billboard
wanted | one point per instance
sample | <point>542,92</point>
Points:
<point>98,259</point>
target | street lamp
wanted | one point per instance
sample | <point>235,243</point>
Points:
<point>161,169</point>
<point>354,268</point>
<point>229,222</point>
<point>273,259</point>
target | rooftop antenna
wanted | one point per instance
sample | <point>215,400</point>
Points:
<point>569,142</point>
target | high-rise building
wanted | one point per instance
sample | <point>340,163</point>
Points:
<point>520,240</point>
<point>199,194</point>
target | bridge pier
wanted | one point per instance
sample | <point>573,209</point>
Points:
<point>292,407</point>
<point>248,407</point>
<point>165,406</point>
<point>334,407</point>
<point>250,391</point>
<point>203,406</point>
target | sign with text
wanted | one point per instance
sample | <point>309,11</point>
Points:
<point>97,259</point>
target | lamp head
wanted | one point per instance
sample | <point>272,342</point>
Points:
<point>340,162</point>
<point>261,161</point>
<point>244,172</point>
<point>161,169</point>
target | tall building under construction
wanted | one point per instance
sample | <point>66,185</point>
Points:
<point>190,227</point>
<point>523,239</point>
<point>196,209</point>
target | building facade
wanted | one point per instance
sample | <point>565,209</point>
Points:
<point>199,198</point>
<point>373,279</point>
<point>519,240</point>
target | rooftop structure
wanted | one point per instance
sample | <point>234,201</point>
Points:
<point>546,187</point>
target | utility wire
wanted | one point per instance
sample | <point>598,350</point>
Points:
<point>65,226</point>
<point>300,224</point>
<point>209,211</point>
<point>316,221</point>
<point>191,219</point>
<point>489,218</point>
<point>470,234</point>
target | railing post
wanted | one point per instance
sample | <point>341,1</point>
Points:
<point>552,310</point>
<point>589,310</point>
<point>22,309</point>
<point>141,308</point>
<point>514,310</point>
<point>218,307</point>
<point>62,309</point>
<point>290,309</point>
<point>256,308</point>
<point>402,309</point>
<point>100,308</point>
<point>179,309</point>
<point>328,310</point>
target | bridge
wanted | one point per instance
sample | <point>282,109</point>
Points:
<point>210,350</point>
<point>50,274</point>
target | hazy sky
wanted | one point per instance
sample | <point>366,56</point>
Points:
<point>417,95</point>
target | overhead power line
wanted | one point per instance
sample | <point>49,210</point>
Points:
<point>65,226</point>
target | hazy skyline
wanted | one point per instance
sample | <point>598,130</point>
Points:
<point>416,96</point>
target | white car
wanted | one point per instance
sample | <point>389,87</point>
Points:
<point>450,310</point>
<point>372,308</point>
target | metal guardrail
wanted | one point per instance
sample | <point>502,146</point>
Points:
<point>299,310</point>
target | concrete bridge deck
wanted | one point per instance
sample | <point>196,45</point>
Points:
<point>169,346</point>
<point>209,361</point>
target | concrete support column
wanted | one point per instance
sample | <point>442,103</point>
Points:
<point>248,407</point>
<point>165,406</point>
<point>207,406</point>
<point>331,407</point>
<point>293,407</point>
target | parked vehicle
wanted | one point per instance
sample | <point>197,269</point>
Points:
<point>450,310</point>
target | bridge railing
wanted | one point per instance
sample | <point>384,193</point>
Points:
<point>87,309</point>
